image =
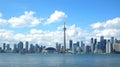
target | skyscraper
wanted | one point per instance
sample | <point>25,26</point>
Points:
<point>4,46</point>
<point>108,47</point>
<point>26,45</point>
<point>70,44</point>
<point>8,46</point>
<point>94,44</point>
<point>91,42</point>
<point>15,48</point>
<point>102,44</point>
<point>20,46</point>
<point>64,48</point>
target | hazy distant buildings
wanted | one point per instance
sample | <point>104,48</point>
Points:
<point>58,47</point>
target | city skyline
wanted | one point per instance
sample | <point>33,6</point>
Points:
<point>42,22</point>
<point>104,46</point>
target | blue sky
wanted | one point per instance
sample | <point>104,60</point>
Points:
<point>80,15</point>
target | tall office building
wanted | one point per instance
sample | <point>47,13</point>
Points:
<point>20,46</point>
<point>94,44</point>
<point>32,48</point>
<point>77,43</point>
<point>74,48</point>
<point>82,46</point>
<point>64,48</point>
<point>15,48</point>
<point>112,43</point>
<point>91,43</point>
<point>58,47</point>
<point>70,44</point>
<point>4,46</point>
<point>103,44</point>
<point>26,45</point>
<point>108,47</point>
<point>8,46</point>
<point>112,40</point>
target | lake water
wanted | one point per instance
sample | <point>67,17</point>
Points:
<point>59,60</point>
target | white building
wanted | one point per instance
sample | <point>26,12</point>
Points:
<point>108,47</point>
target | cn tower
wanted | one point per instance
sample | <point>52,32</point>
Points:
<point>64,38</point>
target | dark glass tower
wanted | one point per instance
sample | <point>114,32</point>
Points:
<point>70,44</point>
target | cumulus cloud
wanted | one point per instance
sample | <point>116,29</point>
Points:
<point>6,36</point>
<point>57,16</point>
<point>3,22</point>
<point>27,19</point>
<point>108,28</point>
<point>42,37</point>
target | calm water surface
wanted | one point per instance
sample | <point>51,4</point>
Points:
<point>59,60</point>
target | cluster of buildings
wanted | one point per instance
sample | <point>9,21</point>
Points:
<point>111,45</point>
<point>19,48</point>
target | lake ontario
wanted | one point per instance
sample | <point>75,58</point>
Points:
<point>59,60</point>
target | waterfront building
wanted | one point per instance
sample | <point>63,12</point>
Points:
<point>4,47</point>
<point>116,47</point>
<point>74,48</point>
<point>103,44</point>
<point>82,46</point>
<point>15,50</point>
<point>77,43</point>
<point>32,50</point>
<point>108,47</point>
<point>37,48</point>
<point>8,46</point>
<point>26,46</point>
<point>98,48</point>
<point>0,49</point>
<point>50,50</point>
<point>94,45</point>
<point>20,46</point>
<point>87,49</point>
<point>70,44</point>
<point>112,40</point>
<point>58,47</point>
<point>91,43</point>
<point>8,50</point>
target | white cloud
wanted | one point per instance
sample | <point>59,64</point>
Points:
<point>97,25</point>
<point>27,19</point>
<point>48,38</point>
<point>108,28</point>
<point>3,22</point>
<point>6,36</point>
<point>57,16</point>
